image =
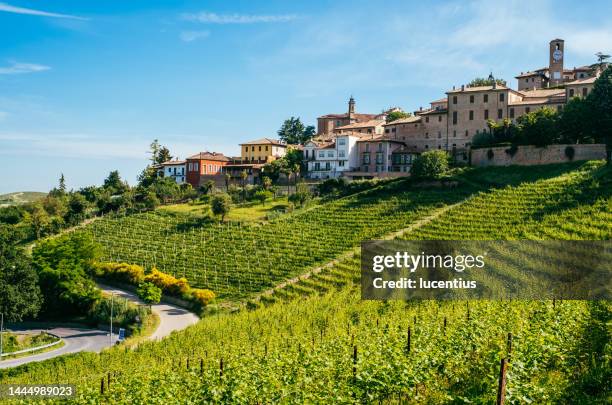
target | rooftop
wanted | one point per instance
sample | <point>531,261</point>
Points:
<point>407,120</point>
<point>586,80</point>
<point>365,124</point>
<point>173,162</point>
<point>542,93</point>
<point>209,156</point>
<point>265,141</point>
<point>477,88</point>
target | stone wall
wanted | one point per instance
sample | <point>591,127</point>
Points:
<point>532,155</point>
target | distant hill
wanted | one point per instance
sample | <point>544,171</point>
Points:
<point>20,197</point>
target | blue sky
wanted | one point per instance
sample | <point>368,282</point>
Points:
<point>86,85</point>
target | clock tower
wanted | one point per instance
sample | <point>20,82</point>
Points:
<point>556,62</point>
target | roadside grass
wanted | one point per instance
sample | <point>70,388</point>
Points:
<point>149,327</point>
<point>43,350</point>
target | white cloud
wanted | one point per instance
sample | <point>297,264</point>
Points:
<point>28,11</point>
<point>189,36</point>
<point>213,18</point>
<point>17,68</point>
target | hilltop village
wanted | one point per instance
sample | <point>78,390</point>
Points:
<point>357,145</point>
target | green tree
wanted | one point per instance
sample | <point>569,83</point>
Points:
<point>63,265</point>
<point>11,215</point>
<point>62,184</point>
<point>166,189</point>
<point>599,113</point>
<point>220,204</point>
<point>481,81</point>
<point>39,221</point>
<point>163,155</point>
<point>114,184</point>
<point>149,293</point>
<point>262,196</point>
<point>227,179</point>
<point>243,177</point>
<point>150,200</point>
<point>573,123</point>
<point>430,165</point>
<point>396,115</point>
<point>266,182</point>
<point>293,131</point>
<point>20,295</point>
<point>301,196</point>
<point>538,128</point>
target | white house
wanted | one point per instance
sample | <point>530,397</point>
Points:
<point>329,158</point>
<point>174,169</point>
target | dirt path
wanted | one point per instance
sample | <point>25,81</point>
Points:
<point>346,255</point>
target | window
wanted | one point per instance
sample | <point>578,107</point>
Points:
<point>341,153</point>
<point>571,92</point>
<point>512,113</point>
<point>337,123</point>
<point>330,153</point>
<point>210,170</point>
<point>342,141</point>
<point>260,148</point>
<point>454,117</point>
<point>527,110</point>
<point>367,146</point>
<point>584,92</point>
<point>190,167</point>
<point>426,146</point>
<point>502,97</point>
<point>486,114</point>
<point>366,168</point>
<point>341,163</point>
<point>454,134</point>
<point>467,133</point>
<point>426,135</point>
<point>327,166</point>
<point>321,154</point>
<point>500,113</point>
<point>196,167</point>
<point>454,99</point>
<point>386,130</point>
<point>439,134</point>
<point>392,129</point>
<point>317,166</point>
<point>439,146</point>
<point>366,159</point>
<point>266,148</point>
<point>472,99</point>
<point>439,118</point>
<point>252,149</point>
<point>471,115</point>
<point>379,157</point>
<point>306,153</point>
<point>426,119</point>
<point>380,147</point>
<point>246,148</point>
<point>485,98</point>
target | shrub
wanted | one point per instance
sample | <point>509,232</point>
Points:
<point>149,293</point>
<point>120,272</point>
<point>570,152</point>
<point>512,150</point>
<point>490,154</point>
<point>220,205</point>
<point>428,165</point>
<point>169,284</point>
<point>201,297</point>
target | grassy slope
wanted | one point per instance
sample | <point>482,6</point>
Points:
<point>301,351</point>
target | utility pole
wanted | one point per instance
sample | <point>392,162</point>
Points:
<point>111,320</point>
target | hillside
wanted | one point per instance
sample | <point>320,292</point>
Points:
<point>302,350</point>
<point>20,197</point>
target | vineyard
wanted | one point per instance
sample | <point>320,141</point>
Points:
<point>236,259</point>
<point>307,345</point>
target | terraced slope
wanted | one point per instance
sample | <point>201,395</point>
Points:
<point>236,260</point>
<point>303,350</point>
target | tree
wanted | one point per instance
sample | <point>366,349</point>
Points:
<point>262,196</point>
<point>396,115</point>
<point>20,295</point>
<point>220,204</point>
<point>227,178</point>
<point>293,131</point>
<point>301,196</point>
<point>39,221</point>
<point>430,165</point>
<point>11,215</point>
<point>266,182</point>
<point>147,177</point>
<point>154,151</point>
<point>599,102</point>
<point>114,184</point>
<point>163,155</point>
<point>62,184</point>
<point>208,187</point>
<point>481,81</point>
<point>573,126</point>
<point>243,177</point>
<point>63,265</point>
<point>150,200</point>
<point>166,189</point>
<point>149,293</point>
<point>538,128</point>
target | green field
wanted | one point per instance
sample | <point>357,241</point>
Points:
<point>300,348</point>
<point>20,197</point>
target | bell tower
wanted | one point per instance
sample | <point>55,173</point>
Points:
<point>556,56</point>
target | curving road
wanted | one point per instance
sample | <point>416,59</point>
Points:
<point>171,318</point>
<point>75,340</point>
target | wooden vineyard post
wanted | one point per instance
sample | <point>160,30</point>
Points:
<point>201,366</point>
<point>102,386</point>
<point>108,380</point>
<point>187,363</point>
<point>408,340</point>
<point>501,389</point>
<point>509,347</point>
<point>221,367</point>
<point>444,326</point>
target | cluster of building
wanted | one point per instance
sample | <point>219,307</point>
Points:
<point>357,145</point>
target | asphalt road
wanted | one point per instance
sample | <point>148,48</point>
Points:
<point>171,318</point>
<point>75,340</point>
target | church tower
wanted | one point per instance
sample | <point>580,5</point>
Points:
<point>556,62</point>
<point>351,110</point>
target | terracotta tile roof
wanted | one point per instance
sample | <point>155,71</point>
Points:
<point>407,120</point>
<point>432,111</point>
<point>586,80</point>
<point>358,116</point>
<point>209,156</point>
<point>365,124</point>
<point>264,141</point>
<point>537,72</point>
<point>442,100</point>
<point>379,138</point>
<point>542,93</point>
<point>478,88</point>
